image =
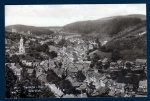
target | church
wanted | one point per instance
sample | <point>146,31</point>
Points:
<point>21,48</point>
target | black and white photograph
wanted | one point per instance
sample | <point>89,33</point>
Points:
<point>75,51</point>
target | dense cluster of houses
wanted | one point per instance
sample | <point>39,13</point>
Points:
<point>97,82</point>
<point>101,81</point>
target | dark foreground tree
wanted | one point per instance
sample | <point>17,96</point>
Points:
<point>10,81</point>
<point>46,93</point>
<point>80,76</point>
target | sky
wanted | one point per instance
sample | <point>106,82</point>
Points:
<point>60,15</point>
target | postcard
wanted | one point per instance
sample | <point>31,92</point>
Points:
<point>75,51</point>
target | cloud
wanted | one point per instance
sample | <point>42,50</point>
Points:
<point>53,15</point>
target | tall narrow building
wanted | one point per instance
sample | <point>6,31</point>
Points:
<point>21,47</point>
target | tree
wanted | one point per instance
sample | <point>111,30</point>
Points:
<point>50,43</point>
<point>24,73</point>
<point>15,59</point>
<point>44,47</point>
<point>128,65</point>
<point>95,58</point>
<point>80,76</point>
<point>10,81</point>
<point>61,42</point>
<point>46,93</point>
<point>115,55</point>
<point>53,54</point>
<point>36,55</point>
<point>52,76</point>
<point>91,88</point>
<point>99,44</point>
<point>33,74</point>
<point>66,86</point>
<point>7,58</point>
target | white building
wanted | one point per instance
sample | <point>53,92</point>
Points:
<point>21,47</point>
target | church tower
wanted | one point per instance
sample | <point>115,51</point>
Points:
<point>21,47</point>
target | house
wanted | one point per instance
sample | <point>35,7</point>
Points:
<point>12,66</point>
<point>90,47</point>
<point>111,93</point>
<point>55,90</point>
<point>129,88</point>
<point>113,64</point>
<point>72,70</point>
<point>44,55</point>
<point>82,95</point>
<point>79,66</point>
<point>36,63</point>
<point>117,93</point>
<point>39,71</point>
<point>109,82</point>
<point>104,61</point>
<point>120,87</point>
<point>27,42</point>
<point>30,71</point>
<point>96,78</point>
<point>76,84</point>
<point>140,95</point>
<point>120,63</point>
<point>140,62</point>
<point>69,96</point>
<point>42,78</point>
<point>142,87</point>
<point>71,79</point>
<point>52,64</point>
<point>45,63</point>
<point>100,91</point>
<point>83,86</point>
<point>52,48</point>
<point>27,62</point>
<point>17,71</point>
<point>59,71</point>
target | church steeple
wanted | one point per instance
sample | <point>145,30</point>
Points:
<point>21,47</point>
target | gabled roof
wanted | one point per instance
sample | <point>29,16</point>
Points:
<point>141,60</point>
<point>105,60</point>
<point>58,71</point>
<point>69,96</point>
<point>105,81</point>
<point>111,93</point>
<point>76,84</point>
<point>113,63</point>
<point>53,48</point>
<point>79,66</point>
<point>30,71</point>
<point>73,69</point>
<point>18,66</point>
<point>143,83</point>
<point>119,61</point>
<point>84,95</point>
<point>100,91</point>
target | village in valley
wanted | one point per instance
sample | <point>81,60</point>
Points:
<point>68,66</point>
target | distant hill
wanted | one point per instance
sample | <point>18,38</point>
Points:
<point>32,29</point>
<point>105,27</point>
<point>142,17</point>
